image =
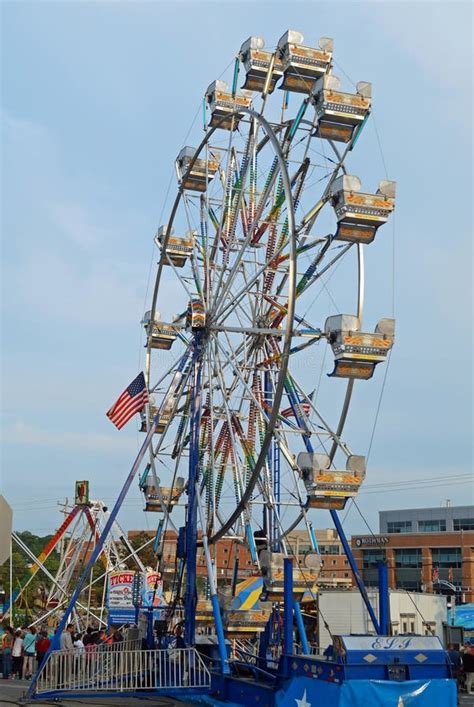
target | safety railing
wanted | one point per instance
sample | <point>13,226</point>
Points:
<point>133,645</point>
<point>123,671</point>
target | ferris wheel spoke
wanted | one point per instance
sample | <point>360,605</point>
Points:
<point>239,483</point>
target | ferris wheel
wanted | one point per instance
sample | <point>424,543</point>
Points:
<point>255,331</point>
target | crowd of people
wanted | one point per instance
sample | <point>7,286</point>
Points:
<point>22,650</point>
<point>462,663</point>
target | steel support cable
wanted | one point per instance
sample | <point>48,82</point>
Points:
<point>405,590</point>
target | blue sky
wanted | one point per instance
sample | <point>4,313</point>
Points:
<point>97,100</point>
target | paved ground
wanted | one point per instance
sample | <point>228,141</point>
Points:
<point>12,690</point>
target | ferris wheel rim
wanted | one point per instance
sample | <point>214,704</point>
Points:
<point>271,132</point>
<point>288,332</point>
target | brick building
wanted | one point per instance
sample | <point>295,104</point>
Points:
<point>422,546</point>
<point>335,570</point>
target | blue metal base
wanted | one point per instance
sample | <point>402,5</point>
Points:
<point>304,691</point>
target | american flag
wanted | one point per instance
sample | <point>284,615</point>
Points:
<point>304,407</point>
<point>133,399</point>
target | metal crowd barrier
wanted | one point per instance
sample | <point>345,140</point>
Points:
<point>118,670</point>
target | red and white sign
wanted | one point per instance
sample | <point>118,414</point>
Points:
<point>120,590</point>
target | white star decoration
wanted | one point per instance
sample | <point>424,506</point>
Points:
<point>303,702</point>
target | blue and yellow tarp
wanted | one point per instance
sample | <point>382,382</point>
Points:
<point>247,594</point>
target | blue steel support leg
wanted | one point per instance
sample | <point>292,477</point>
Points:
<point>288,608</point>
<point>301,628</point>
<point>212,584</point>
<point>95,553</point>
<point>191,519</point>
<point>355,571</point>
<point>347,548</point>
<point>384,599</point>
<point>150,635</point>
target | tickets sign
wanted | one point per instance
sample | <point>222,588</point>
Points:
<point>120,594</point>
<point>120,590</point>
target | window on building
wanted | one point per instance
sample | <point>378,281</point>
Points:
<point>333,562</point>
<point>408,557</point>
<point>432,526</point>
<point>399,526</point>
<point>304,547</point>
<point>446,557</point>
<point>411,585</point>
<point>463,524</point>
<point>346,562</point>
<point>346,574</point>
<point>430,628</point>
<point>329,549</point>
<point>334,575</point>
<point>322,563</point>
<point>407,623</point>
<point>370,558</point>
<point>226,549</point>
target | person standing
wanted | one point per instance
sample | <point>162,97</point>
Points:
<point>117,636</point>
<point>17,654</point>
<point>78,644</point>
<point>66,643</point>
<point>42,645</point>
<point>468,667</point>
<point>29,647</point>
<point>7,645</point>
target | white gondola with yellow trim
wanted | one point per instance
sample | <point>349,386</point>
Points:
<point>339,114</point>
<point>326,487</point>
<point>178,249</point>
<point>356,353</point>
<point>302,65</point>
<point>201,172</point>
<point>257,63</point>
<point>360,214</point>
<point>224,106</point>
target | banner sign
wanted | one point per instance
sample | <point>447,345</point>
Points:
<point>81,495</point>
<point>152,579</point>
<point>119,595</point>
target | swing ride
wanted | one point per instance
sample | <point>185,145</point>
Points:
<point>73,542</point>
<point>246,417</point>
